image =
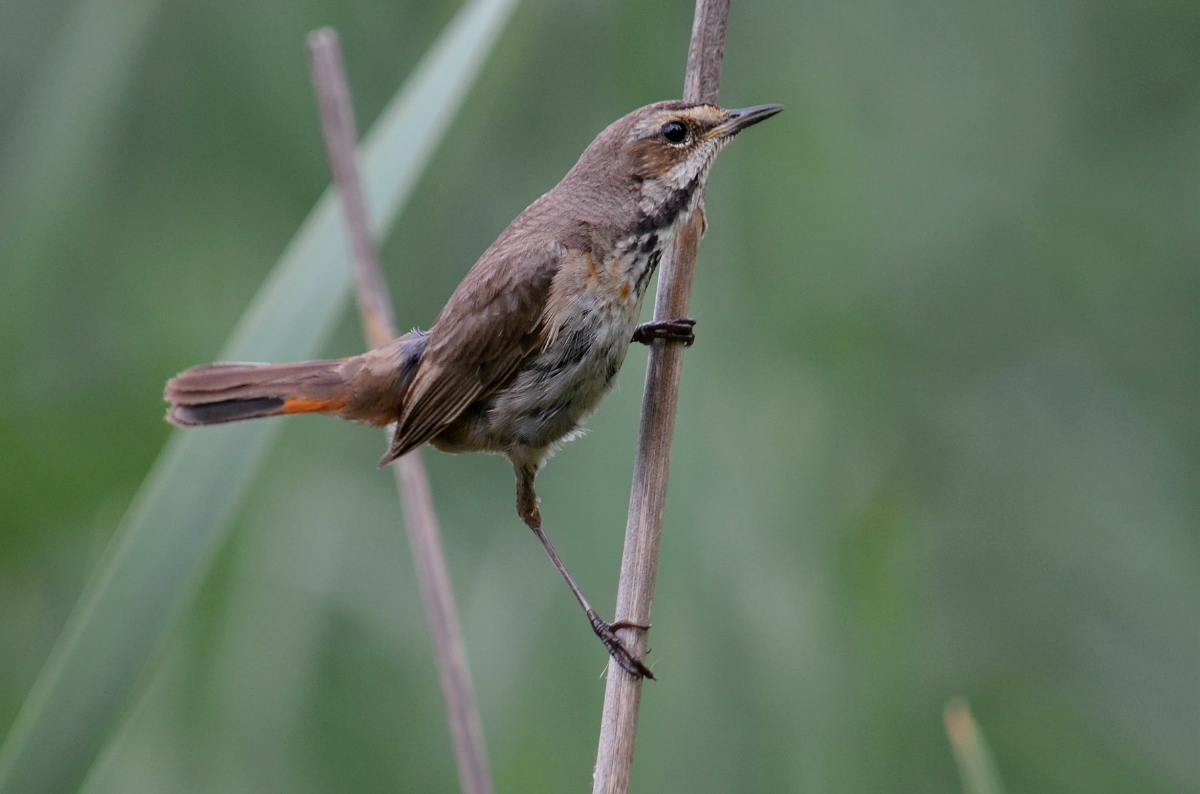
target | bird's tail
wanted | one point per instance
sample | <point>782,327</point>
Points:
<point>368,388</point>
<point>217,393</point>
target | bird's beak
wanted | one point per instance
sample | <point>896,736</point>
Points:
<point>741,118</point>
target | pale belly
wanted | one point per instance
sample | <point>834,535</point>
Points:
<point>558,390</point>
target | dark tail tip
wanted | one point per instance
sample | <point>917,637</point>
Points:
<point>222,411</point>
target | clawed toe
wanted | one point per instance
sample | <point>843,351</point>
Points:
<point>629,663</point>
<point>677,330</point>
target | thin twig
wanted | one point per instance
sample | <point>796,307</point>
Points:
<point>643,530</point>
<point>375,307</point>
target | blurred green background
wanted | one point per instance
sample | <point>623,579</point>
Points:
<point>938,436</point>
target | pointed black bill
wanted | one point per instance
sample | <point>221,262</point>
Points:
<point>741,118</point>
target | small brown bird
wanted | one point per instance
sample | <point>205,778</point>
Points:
<point>533,337</point>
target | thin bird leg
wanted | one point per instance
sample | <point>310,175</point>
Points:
<point>528,510</point>
<point>679,330</point>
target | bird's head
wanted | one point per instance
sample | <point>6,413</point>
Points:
<point>674,143</point>
<point>656,159</point>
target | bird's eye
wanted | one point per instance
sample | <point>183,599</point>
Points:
<point>674,132</point>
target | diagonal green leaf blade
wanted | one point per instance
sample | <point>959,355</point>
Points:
<point>162,548</point>
<point>59,134</point>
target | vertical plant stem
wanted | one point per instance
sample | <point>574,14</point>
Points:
<point>375,308</point>
<point>643,529</point>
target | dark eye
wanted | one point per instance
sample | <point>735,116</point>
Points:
<point>674,132</point>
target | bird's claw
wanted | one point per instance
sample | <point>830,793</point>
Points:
<point>617,650</point>
<point>677,330</point>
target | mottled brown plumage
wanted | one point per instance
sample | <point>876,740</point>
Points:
<point>533,337</point>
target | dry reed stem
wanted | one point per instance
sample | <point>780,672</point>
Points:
<point>643,529</point>
<point>375,307</point>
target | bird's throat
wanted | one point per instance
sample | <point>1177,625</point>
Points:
<point>663,214</point>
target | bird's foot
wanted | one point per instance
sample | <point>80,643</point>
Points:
<point>678,330</point>
<point>616,649</point>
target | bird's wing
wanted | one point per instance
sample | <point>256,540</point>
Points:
<point>492,325</point>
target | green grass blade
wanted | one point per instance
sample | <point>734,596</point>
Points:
<point>972,755</point>
<point>162,548</point>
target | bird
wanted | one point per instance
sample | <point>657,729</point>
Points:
<point>535,334</point>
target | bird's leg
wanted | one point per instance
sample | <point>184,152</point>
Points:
<point>678,330</point>
<point>605,631</point>
<point>528,510</point>
<point>527,499</point>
